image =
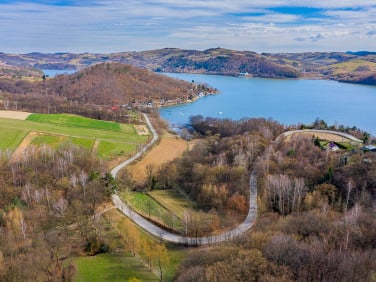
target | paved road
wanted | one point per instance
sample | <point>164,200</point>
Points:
<point>140,153</point>
<point>179,239</point>
<point>342,134</point>
<point>194,241</point>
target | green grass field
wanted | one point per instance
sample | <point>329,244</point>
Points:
<point>110,150</point>
<point>50,140</point>
<point>147,206</point>
<point>352,66</point>
<point>111,267</point>
<point>116,225</point>
<point>74,121</point>
<point>168,207</point>
<point>179,203</point>
<point>11,137</point>
<point>114,139</point>
<point>175,201</point>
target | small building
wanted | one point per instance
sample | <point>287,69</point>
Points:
<point>368,148</point>
<point>332,147</point>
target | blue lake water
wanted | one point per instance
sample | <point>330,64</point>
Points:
<point>288,101</point>
<point>52,73</point>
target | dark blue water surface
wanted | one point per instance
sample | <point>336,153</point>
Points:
<point>288,101</point>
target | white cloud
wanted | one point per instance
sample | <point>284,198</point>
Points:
<point>273,18</point>
<point>119,25</point>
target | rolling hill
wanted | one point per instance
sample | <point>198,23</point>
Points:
<point>93,91</point>
<point>216,61</point>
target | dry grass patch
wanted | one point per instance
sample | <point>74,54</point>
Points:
<point>14,115</point>
<point>169,148</point>
<point>23,145</point>
<point>142,129</point>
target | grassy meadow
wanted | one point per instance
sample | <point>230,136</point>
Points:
<point>11,137</point>
<point>179,203</point>
<point>167,207</point>
<point>111,267</point>
<point>114,139</point>
<point>150,208</point>
<point>124,237</point>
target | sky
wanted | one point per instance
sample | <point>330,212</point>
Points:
<point>133,25</point>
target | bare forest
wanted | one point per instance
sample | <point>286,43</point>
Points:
<point>104,91</point>
<point>316,208</point>
<point>49,199</point>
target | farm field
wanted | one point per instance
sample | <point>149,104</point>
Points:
<point>14,115</point>
<point>114,140</point>
<point>11,137</point>
<point>168,149</point>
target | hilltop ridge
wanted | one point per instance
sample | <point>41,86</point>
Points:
<point>103,88</point>
<point>354,67</point>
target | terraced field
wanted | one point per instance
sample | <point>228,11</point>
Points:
<point>113,140</point>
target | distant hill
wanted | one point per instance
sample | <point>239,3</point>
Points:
<point>15,71</point>
<point>94,89</point>
<point>322,65</point>
<point>211,61</point>
<point>361,53</point>
<point>116,83</point>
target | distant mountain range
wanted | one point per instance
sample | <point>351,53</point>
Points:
<point>354,67</point>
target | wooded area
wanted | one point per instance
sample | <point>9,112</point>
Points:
<point>105,91</point>
<point>316,208</point>
<point>48,200</point>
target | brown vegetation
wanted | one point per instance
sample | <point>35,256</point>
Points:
<point>14,115</point>
<point>354,67</point>
<point>169,148</point>
<point>94,91</point>
<point>316,219</point>
<point>47,200</point>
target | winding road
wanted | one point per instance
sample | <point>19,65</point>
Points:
<point>195,241</point>
<point>342,134</point>
<point>175,238</point>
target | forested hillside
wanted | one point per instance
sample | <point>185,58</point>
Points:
<point>93,91</point>
<point>316,207</point>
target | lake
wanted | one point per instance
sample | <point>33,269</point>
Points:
<point>52,73</point>
<point>290,102</point>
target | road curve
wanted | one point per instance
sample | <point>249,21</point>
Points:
<point>175,238</point>
<point>140,153</point>
<point>342,134</point>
